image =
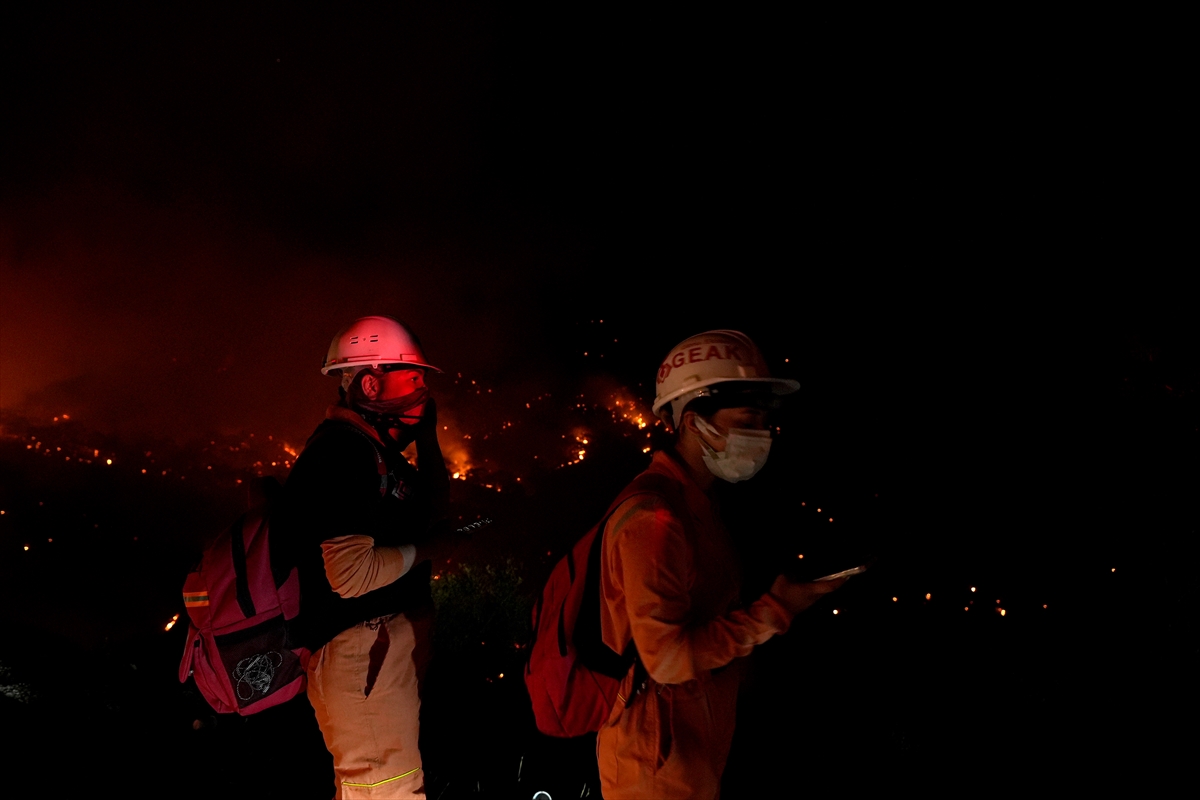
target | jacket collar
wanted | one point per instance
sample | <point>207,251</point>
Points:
<point>668,463</point>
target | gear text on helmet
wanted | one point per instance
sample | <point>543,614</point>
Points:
<point>699,364</point>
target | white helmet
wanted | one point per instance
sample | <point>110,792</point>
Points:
<point>696,365</point>
<point>373,342</point>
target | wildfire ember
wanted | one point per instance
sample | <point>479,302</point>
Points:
<point>628,410</point>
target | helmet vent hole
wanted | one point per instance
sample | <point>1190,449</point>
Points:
<point>353,340</point>
<point>374,338</point>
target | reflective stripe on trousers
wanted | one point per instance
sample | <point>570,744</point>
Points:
<point>364,687</point>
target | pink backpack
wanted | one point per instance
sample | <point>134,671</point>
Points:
<point>238,647</point>
<point>572,676</point>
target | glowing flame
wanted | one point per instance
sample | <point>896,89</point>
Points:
<point>171,624</point>
<point>452,440</point>
<point>291,451</point>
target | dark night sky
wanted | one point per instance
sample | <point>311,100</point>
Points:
<point>943,235</point>
<point>193,204</point>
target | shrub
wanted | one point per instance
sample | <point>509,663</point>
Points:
<point>481,607</point>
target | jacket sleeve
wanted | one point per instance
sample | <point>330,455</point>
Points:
<point>354,565</point>
<point>650,571</point>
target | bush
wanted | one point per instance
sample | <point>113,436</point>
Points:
<point>481,607</point>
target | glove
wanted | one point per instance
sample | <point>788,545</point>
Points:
<point>434,475</point>
<point>425,431</point>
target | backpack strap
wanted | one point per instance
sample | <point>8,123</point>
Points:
<point>668,490</point>
<point>587,639</point>
<point>237,542</point>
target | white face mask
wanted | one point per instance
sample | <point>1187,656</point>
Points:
<point>745,452</point>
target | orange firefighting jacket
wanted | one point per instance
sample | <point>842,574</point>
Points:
<point>669,581</point>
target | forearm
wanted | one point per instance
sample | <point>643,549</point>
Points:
<point>354,565</point>
<point>675,653</point>
<point>738,632</point>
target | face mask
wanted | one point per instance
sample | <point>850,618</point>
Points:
<point>745,452</point>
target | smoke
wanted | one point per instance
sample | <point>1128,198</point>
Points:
<point>137,319</point>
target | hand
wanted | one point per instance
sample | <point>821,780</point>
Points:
<point>798,596</point>
<point>431,463</point>
<point>426,428</point>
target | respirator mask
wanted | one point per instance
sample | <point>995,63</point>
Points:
<point>744,455</point>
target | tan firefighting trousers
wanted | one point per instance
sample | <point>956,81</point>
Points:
<point>671,740</point>
<point>364,687</point>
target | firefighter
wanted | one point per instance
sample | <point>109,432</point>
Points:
<point>358,518</point>
<point>670,584</point>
